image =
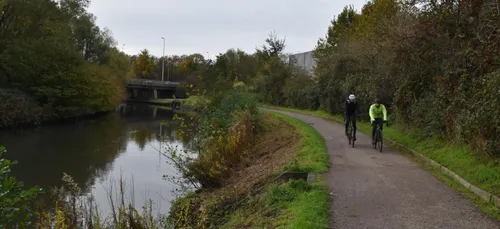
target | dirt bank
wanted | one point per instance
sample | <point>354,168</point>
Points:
<point>276,143</point>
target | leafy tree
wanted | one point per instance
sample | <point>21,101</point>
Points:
<point>143,65</point>
<point>119,62</point>
<point>228,68</point>
<point>51,50</point>
<point>274,47</point>
<point>330,63</point>
<point>193,63</point>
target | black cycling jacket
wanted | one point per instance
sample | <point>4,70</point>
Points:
<point>351,108</point>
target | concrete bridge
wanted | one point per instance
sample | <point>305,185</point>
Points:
<point>144,89</point>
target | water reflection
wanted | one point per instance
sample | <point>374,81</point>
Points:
<point>97,151</point>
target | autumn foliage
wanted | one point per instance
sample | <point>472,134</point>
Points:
<point>55,55</point>
<point>434,63</point>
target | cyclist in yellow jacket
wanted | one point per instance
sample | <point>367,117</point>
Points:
<point>378,115</point>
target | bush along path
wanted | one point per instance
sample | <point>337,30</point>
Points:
<point>389,190</point>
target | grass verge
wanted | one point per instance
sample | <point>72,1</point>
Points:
<point>313,154</point>
<point>484,174</point>
<point>296,204</point>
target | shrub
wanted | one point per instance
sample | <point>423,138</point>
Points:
<point>224,150</point>
<point>16,202</point>
<point>17,109</point>
<point>199,103</point>
<point>479,124</point>
<point>307,97</point>
<point>193,211</point>
<point>234,102</point>
<point>221,139</point>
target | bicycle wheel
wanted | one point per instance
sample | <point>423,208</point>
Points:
<point>377,139</point>
<point>349,133</point>
<point>380,140</point>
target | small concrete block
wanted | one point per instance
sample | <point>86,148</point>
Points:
<point>495,200</point>
<point>312,178</point>
<point>287,176</point>
<point>481,193</point>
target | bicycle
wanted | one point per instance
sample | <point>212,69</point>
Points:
<point>350,132</point>
<point>379,139</point>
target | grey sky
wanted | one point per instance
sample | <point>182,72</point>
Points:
<point>214,26</point>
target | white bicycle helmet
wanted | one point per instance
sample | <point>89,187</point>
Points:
<point>352,97</point>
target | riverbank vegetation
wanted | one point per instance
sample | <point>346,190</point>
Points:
<point>237,149</point>
<point>296,204</point>
<point>56,63</point>
<point>247,198</point>
<point>72,207</point>
<point>226,191</point>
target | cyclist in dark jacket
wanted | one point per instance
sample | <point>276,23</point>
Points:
<point>350,113</point>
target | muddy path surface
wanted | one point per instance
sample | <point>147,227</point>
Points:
<point>388,190</point>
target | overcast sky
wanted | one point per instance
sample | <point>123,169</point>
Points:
<point>210,27</point>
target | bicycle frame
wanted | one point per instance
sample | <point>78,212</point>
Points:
<point>350,130</point>
<point>379,140</point>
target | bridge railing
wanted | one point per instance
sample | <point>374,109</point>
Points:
<point>146,82</point>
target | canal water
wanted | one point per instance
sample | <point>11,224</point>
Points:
<point>100,151</point>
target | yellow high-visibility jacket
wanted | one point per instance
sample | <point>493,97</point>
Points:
<point>379,112</point>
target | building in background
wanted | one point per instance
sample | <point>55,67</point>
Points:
<point>304,60</point>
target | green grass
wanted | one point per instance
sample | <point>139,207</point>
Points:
<point>487,208</point>
<point>164,101</point>
<point>318,113</point>
<point>482,173</point>
<point>310,207</point>
<point>310,210</point>
<point>313,154</point>
<point>296,204</point>
<point>186,113</point>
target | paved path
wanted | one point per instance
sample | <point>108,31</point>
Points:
<point>371,190</point>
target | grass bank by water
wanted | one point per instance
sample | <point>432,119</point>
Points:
<point>458,158</point>
<point>162,101</point>
<point>249,198</point>
<point>296,204</point>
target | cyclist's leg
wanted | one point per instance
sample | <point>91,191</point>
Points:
<point>374,128</point>
<point>354,127</point>
<point>380,123</point>
<point>347,120</point>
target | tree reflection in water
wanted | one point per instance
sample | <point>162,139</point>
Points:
<point>89,150</point>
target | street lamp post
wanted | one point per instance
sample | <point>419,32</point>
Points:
<point>123,46</point>
<point>163,61</point>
